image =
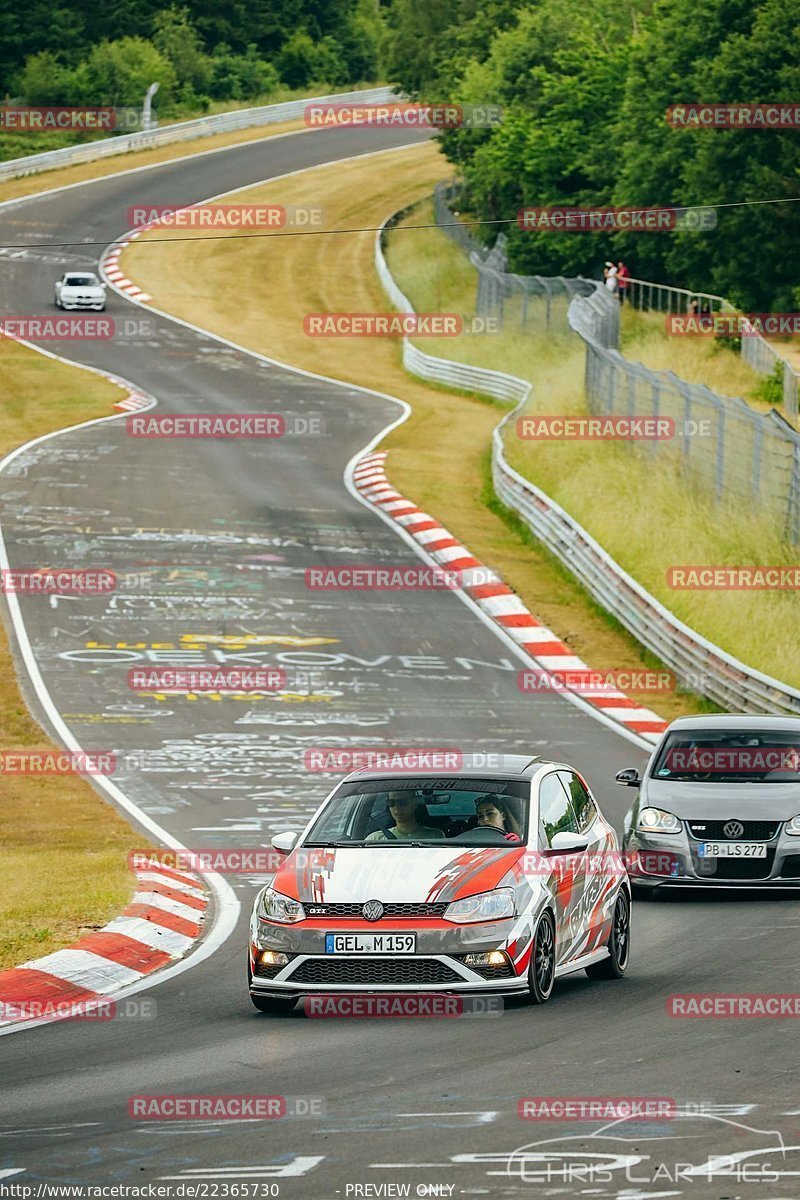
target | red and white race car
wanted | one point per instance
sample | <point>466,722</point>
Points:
<point>481,880</point>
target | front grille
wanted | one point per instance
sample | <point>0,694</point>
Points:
<point>389,910</point>
<point>790,868</point>
<point>754,831</point>
<point>734,868</point>
<point>367,972</point>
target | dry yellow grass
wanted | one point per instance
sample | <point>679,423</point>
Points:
<point>63,850</point>
<point>622,498</point>
<point>284,278</point>
<point>699,359</point>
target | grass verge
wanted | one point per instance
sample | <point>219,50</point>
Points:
<point>284,278</point>
<point>63,849</point>
<point>642,511</point>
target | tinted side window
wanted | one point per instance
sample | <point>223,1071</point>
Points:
<point>555,809</point>
<point>582,803</point>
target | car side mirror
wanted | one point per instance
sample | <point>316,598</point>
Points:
<point>104,286</point>
<point>630,777</point>
<point>569,843</point>
<point>284,843</point>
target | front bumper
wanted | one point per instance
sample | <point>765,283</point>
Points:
<point>672,861</point>
<point>72,304</point>
<point>311,974</point>
<point>437,965</point>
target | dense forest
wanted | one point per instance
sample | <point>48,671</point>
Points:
<point>584,86</point>
<point>78,52</point>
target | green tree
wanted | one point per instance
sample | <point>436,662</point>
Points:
<point>176,38</point>
<point>120,72</point>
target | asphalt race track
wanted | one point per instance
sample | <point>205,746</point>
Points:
<point>212,539</point>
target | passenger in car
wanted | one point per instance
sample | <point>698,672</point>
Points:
<point>403,809</point>
<point>495,813</point>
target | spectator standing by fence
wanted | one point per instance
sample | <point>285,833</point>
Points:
<point>610,276</point>
<point>623,275</point>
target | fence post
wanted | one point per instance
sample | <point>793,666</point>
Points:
<point>720,480</point>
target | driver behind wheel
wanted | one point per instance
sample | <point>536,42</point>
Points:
<point>495,813</point>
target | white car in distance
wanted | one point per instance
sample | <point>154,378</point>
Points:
<point>80,289</point>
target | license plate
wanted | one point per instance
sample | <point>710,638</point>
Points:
<point>370,943</point>
<point>732,850</point>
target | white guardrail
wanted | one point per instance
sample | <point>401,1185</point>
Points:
<point>182,131</point>
<point>700,665</point>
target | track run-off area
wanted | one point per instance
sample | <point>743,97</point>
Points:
<point>213,538</point>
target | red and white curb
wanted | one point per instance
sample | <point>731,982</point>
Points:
<point>496,598</point>
<point>110,271</point>
<point>160,925</point>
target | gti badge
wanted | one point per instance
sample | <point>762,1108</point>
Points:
<point>733,829</point>
<point>372,910</point>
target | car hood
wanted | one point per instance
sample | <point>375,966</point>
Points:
<point>76,287</point>
<point>724,801</point>
<point>400,874</point>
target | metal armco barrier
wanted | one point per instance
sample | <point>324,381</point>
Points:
<point>697,663</point>
<point>183,131</point>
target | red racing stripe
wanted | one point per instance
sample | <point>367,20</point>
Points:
<point>124,950</point>
<point>158,916</point>
<point>25,983</point>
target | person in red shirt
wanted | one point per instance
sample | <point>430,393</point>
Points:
<point>623,276</point>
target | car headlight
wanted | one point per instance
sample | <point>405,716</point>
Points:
<point>793,826</point>
<point>655,820</point>
<point>486,906</point>
<point>276,907</point>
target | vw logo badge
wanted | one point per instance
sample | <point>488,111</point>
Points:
<point>733,829</point>
<point>372,910</point>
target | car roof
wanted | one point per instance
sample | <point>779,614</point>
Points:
<point>736,721</point>
<point>500,765</point>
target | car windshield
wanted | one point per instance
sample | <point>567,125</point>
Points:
<point>424,811</point>
<point>730,756</point>
<point>81,281</point>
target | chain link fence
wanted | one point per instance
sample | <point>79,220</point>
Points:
<point>720,442</point>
